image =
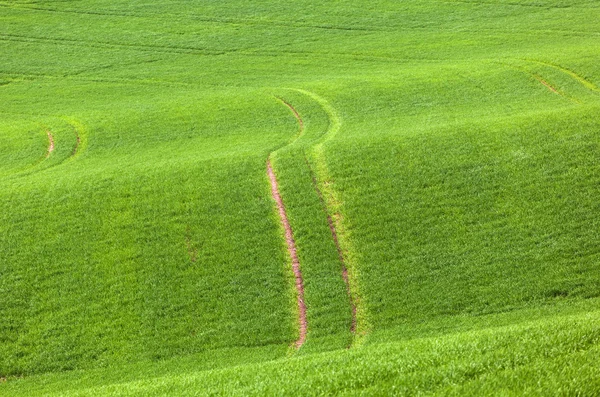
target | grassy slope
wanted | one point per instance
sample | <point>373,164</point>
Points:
<point>463,187</point>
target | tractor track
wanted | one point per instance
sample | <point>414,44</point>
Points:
<point>334,125</point>
<point>334,235</point>
<point>50,143</point>
<point>291,246</point>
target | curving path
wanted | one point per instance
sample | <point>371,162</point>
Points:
<point>332,220</point>
<point>289,236</point>
<point>580,79</point>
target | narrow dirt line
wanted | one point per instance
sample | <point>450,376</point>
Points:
<point>552,88</point>
<point>544,82</point>
<point>77,142</point>
<point>582,80</point>
<point>294,111</point>
<point>50,143</point>
<point>337,246</point>
<point>291,244</point>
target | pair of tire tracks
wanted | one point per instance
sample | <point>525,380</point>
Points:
<point>289,236</point>
<point>52,146</point>
<point>38,165</point>
<point>579,79</point>
<point>335,123</point>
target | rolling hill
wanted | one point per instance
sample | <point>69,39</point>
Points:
<point>301,198</point>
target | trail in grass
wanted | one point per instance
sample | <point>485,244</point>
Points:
<point>327,199</point>
<point>295,112</point>
<point>289,236</point>
<point>542,81</point>
<point>545,83</point>
<point>77,141</point>
<point>552,88</point>
<point>332,129</point>
<point>337,246</point>
<point>50,143</point>
<point>583,81</point>
<point>291,245</point>
<point>328,208</point>
<point>335,122</point>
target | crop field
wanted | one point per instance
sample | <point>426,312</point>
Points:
<point>299,198</point>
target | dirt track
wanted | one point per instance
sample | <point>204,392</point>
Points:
<point>291,244</point>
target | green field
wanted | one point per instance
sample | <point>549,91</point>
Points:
<point>439,163</point>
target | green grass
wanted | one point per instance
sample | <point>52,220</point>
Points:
<point>455,144</point>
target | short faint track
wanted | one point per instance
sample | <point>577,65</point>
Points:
<point>77,141</point>
<point>542,81</point>
<point>582,80</point>
<point>191,250</point>
<point>50,143</point>
<point>294,111</point>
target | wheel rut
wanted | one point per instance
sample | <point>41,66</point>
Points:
<point>77,141</point>
<point>332,129</point>
<point>50,143</point>
<point>294,111</point>
<point>334,236</point>
<point>544,82</point>
<point>541,80</point>
<point>580,79</point>
<point>291,246</point>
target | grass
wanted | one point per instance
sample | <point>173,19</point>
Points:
<point>455,146</point>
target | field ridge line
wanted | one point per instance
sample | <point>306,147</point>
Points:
<point>291,245</point>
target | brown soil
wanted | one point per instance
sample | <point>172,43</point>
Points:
<point>50,143</point>
<point>549,86</point>
<point>291,244</point>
